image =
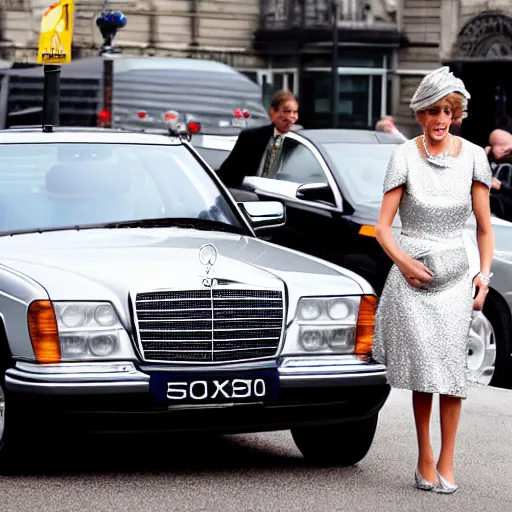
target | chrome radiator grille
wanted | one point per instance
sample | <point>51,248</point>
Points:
<point>217,325</point>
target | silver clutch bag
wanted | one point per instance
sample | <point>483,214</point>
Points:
<point>448,266</point>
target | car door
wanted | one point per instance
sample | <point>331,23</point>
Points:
<point>314,206</point>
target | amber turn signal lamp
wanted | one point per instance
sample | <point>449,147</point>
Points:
<point>44,334</point>
<point>365,325</point>
<point>367,231</point>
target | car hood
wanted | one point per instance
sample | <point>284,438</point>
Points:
<point>112,264</point>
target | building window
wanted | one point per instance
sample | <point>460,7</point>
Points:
<point>272,81</point>
<point>279,79</point>
<point>362,97</point>
<point>251,75</point>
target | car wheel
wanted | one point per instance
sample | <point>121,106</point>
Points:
<point>481,350</point>
<point>9,431</point>
<point>7,437</point>
<point>2,416</point>
<point>342,445</point>
<point>497,314</point>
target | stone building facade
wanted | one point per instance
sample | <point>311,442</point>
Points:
<point>212,29</point>
<point>385,48</point>
<point>277,43</point>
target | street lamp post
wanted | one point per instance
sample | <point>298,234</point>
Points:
<point>335,13</point>
<point>109,22</point>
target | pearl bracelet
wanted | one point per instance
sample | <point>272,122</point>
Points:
<point>484,278</point>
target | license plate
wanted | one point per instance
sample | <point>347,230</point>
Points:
<point>229,387</point>
<point>240,123</point>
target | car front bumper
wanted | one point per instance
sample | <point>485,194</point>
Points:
<point>117,397</point>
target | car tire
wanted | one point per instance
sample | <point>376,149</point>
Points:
<point>9,429</point>
<point>342,445</point>
<point>498,314</point>
<point>8,434</point>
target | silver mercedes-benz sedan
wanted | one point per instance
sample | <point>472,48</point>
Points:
<point>135,296</point>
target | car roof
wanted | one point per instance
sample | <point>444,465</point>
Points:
<point>326,136</point>
<point>85,135</point>
<point>93,66</point>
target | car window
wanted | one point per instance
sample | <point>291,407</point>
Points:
<point>503,172</point>
<point>298,164</point>
<point>213,157</point>
<point>52,185</point>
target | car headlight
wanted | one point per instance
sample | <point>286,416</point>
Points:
<point>332,325</point>
<point>341,309</point>
<point>91,330</point>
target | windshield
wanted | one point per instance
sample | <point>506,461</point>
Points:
<point>360,169</point>
<point>43,186</point>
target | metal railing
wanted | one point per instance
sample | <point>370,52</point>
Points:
<point>287,14</point>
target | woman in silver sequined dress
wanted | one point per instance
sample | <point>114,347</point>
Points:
<point>424,314</point>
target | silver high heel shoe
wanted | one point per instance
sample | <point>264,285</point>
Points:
<point>444,487</point>
<point>421,483</point>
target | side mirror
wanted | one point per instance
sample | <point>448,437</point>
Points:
<point>316,192</point>
<point>264,214</point>
<point>243,196</point>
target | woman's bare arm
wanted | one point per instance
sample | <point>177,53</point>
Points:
<point>485,238</point>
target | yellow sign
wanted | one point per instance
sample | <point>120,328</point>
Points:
<point>57,33</point>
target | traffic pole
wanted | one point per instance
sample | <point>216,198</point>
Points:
<point>51,95</point>
<point>108,89</point>
<point>109,23</point>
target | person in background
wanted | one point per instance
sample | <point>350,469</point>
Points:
<point>256,148</point>
<point>499,152</point>
<point>387,125</point>
<point>500,146</point>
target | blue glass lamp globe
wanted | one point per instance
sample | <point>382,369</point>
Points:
<point>114,19</point>
<point>119,19</point>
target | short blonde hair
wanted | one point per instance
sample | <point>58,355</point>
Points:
<point>456,103</point>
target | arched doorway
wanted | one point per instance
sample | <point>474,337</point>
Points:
<point>482,58</point>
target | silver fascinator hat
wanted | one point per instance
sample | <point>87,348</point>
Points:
<point>437,85</point>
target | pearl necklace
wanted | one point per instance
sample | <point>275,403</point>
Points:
<point>442,159</point>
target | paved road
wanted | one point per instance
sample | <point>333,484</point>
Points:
<point>265,472</point>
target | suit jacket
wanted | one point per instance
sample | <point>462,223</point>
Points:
<point>245,157</point>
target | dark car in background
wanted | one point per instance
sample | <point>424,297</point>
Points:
<point>331,184</point>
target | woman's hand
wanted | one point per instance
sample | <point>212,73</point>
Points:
<point>415,272</point>
<point>483,290</point>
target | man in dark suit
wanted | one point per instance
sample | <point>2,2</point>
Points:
<point>256,148</point>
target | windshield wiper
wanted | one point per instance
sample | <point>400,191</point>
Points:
<point>185,223</point>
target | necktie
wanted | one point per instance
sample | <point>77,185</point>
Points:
<point>268,172</point>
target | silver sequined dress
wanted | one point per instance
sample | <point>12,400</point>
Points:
<point>421,333</point>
